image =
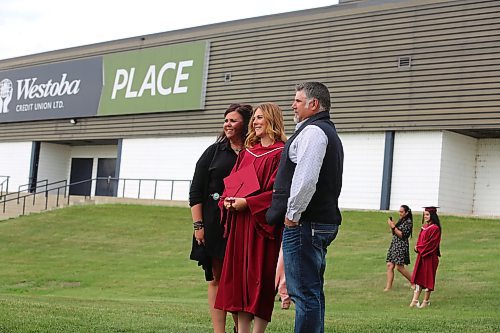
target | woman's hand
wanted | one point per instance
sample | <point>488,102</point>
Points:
<point>240,204</point>
<point>228,202</point>
<point>391,223</point>
<point>235,204</point>
<point>199,235</point>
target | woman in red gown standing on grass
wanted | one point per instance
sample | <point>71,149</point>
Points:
<point>247,281</point>
<point>428,253</point>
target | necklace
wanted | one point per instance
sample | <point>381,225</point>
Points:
<point>236,148</point>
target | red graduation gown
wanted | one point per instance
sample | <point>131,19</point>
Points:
<point>249,268</point>
<point>424,272</point>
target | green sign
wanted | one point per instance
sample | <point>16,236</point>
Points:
<point>160,79</point>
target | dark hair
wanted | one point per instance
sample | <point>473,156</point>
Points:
<point>435,219</point>
<point>245,110</point>
<point>409,215</point>
<point>316,90</point>
<point>407,211</point>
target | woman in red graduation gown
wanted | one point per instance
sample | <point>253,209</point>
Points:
<point>426,264</point>
<point>247,281</point>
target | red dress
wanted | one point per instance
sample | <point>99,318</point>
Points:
<point>424,272</point>
<point>249,268</point>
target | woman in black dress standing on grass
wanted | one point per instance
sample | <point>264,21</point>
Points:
<point>207,186</point>
<point>398,254</point>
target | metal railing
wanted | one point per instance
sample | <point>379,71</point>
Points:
<point>138,188</point>
<point>4,185</point>
<point>32,187</point>
<point>21,196</point>
<point>153,183</point>
<point>126,186</point>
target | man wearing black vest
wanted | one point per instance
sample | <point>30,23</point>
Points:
<point>305,199</point>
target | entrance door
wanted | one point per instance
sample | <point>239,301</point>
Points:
<point>106,168</point>
<point>81,169</point>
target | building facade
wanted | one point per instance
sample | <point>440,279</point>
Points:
<point>415,96</point>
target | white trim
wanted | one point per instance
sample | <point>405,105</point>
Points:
<point>267,152</point>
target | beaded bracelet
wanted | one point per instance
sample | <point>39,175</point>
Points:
<point>198,225</point>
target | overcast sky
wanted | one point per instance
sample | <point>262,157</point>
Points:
<point>34,26</point>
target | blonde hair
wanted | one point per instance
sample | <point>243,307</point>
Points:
<point>274,120</point>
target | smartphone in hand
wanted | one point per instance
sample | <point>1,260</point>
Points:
<point>390,218</point>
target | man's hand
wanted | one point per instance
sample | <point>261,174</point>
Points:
<point>290,223</point>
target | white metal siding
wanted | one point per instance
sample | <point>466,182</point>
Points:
<point>416,169</point>
<point>54,162</point>
<point>363,165</point>
<point>15,158</point>
<point>487,191</point>
<point>458,164</point>
<point>161,158</point>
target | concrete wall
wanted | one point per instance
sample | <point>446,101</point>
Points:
<point>458,168</point>
<point>487,191</point>
<point>416,169</point>
<point>15,159</point>
<point>456,172</point>
<point>363,164</point>
<point>54,162</point>
<point>161,158</point>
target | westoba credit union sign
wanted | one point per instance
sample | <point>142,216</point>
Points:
<point>62,90</point>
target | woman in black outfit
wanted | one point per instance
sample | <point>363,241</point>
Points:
<point>207,186</point>
<point>398,254</point>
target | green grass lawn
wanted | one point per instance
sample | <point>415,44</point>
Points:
<point>125,268</point>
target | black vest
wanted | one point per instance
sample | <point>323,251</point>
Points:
<point>323,207</point>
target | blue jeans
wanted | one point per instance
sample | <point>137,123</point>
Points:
<point>304,252</point>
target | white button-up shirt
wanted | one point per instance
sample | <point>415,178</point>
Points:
<point>307,151</point>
